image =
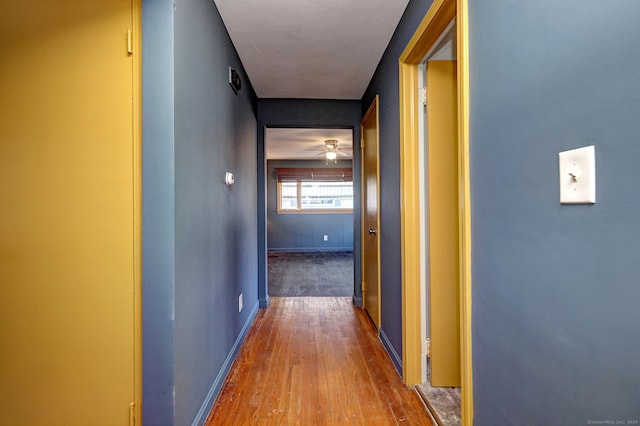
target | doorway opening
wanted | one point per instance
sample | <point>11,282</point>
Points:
<point>309,212</point>
<point>435,194</point>
<point>439,284</point>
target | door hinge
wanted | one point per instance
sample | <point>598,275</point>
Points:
<point>129,42</point>
<point>426,348</point>
<point>422,95</point>
<point>132,414</point>
<point>364,286</point>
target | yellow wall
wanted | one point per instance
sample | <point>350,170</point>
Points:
<point>68,243</point>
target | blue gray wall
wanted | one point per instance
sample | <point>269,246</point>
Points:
<point>199,237</point>
<point>305,232</point>
<point>385,82</point>
<point>305,113</point>
<point>556,321</point>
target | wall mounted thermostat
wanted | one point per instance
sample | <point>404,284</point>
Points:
<point>578,176</point>
<point>229,179</point>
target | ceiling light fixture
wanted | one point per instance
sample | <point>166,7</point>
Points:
<point>331,150</point>
<point>330,144</point>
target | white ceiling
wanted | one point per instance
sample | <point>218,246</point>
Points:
<point>314,49</point>
<point>305,144</point>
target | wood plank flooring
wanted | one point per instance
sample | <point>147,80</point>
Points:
<point>314,361</point>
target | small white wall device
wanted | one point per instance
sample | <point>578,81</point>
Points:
<point>578,176</point>
<point>229,179</point>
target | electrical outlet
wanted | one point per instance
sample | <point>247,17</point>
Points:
<point>240,303</point>
<point>326,238</point>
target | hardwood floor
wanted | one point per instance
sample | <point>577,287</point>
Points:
<point>314,361</point>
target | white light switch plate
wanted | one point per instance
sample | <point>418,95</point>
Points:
<point>578,176</point>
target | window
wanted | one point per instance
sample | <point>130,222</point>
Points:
<point>315,190</point>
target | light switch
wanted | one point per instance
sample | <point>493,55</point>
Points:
<point>578,176</point>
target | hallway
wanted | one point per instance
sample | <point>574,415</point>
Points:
<point>314,360</point>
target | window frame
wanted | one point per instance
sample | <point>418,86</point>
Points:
<point>299,209</point>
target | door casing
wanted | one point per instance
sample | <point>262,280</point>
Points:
<point>435,22</point>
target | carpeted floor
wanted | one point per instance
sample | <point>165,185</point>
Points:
<point>322,274</point>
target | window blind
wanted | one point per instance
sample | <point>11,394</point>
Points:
<point>333,174</point>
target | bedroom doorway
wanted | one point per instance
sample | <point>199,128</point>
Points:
<point>309,185</point>
<point>429,33</point>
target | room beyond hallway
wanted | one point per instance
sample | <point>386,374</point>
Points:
<point>314,361</point>
<point>320,274</point>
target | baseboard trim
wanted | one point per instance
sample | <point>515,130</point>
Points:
<point>205,409</point>
<point>395,359</point>
<point>309,250</point>
<point>264,303</point>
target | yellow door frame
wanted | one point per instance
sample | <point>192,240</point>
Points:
<point>438,17</point>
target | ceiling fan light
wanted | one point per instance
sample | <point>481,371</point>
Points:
<point>331,144</point>
<point>331,155</point>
